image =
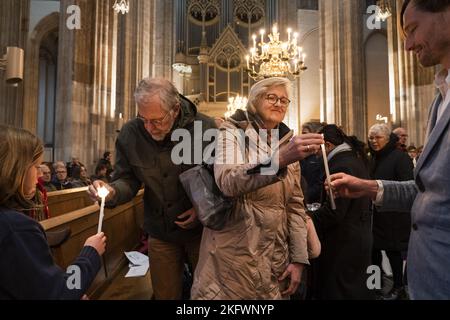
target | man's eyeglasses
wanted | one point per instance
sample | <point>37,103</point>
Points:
<point>273,99</point>
<point>155,122</point>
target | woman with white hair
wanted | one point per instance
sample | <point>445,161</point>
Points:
<point>261,252</point>
<point>390,229</point>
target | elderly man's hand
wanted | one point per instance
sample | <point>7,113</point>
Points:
<point>189,218</point>
<point>97,184</point>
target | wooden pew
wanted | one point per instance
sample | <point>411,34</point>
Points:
<point>64,201</point>
<point>121,226</point>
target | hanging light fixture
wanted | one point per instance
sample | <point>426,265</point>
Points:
<point>121,6</point>
<point>182,68</point>
<point>235,103</point>
<point>384,10</point>
<point>276,58</point>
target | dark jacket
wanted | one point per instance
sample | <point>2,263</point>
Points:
<point>61,185</point>
<point>313,172</point>
<point>340,272</point>
<point>27,270</point>
<point>142,160</point>
<point>391,229</point>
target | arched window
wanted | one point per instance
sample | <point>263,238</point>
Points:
<point>48,58</point>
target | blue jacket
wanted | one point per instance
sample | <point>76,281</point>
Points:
<point>429,200</point>
<point>27,270</point>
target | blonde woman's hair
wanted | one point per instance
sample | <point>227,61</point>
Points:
<point>19,149</point>
<point>260,88</point>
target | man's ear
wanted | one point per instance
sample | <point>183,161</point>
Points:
<point>177,109</point>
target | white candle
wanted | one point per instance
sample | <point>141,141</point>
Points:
<point>254,41</point>
<point>327,171</point>
<point>102,193</point>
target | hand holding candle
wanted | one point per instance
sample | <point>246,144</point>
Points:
<point>327,171</point>
<point>102,193</point>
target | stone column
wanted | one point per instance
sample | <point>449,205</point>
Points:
<point>342,79</point>
<point>163,38</point>
<point>135,54</point>
<point>14,24</point>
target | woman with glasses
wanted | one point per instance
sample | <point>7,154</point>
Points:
<point>27,270</point>
<point>263,248</point>
<point>390,229</point>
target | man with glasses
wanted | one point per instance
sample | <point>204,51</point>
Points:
<point>46,179</point>
<point>425,24</point>
<point>143,157</point>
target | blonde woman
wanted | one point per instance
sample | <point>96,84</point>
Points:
<point>27,270</point>
<point>261,252</point>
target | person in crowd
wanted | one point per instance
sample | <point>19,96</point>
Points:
<point>106,161</point>
<point>72,166</point>
<point>144,156</point>
<point>27,270</point>
<point>46,179</point>
<point>425,25</point>
<point>312,168</point>
<point>101,173</point>
<point>402,135</point>
<point>412,153</point>
<point>80,178</point>
<point>60,180</point>
<point>261,252</point>
<point>419,152</point>
<point>390,229</point>
<point>340,272</point>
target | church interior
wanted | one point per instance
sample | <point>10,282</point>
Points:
<point>81,61</point>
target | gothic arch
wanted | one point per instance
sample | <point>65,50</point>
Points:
<point>376,74</point>
<point>47,25</point>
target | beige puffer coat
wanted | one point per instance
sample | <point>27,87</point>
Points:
<point>265,233</point>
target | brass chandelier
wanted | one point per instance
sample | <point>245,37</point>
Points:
<point>276,58</point>
<point>121,6</point>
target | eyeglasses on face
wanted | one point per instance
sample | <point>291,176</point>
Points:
<point>61,171</point>
<point>155,122</point>
<point>371,138</point>
<point>273,99</point>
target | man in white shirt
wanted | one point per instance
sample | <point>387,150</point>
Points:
<point>425,24</point>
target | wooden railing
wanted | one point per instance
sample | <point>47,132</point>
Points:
<point>121,226</point>
<point>64,201</point>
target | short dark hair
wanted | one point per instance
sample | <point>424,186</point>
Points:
<point>106,154</point>
<point>426,6</point>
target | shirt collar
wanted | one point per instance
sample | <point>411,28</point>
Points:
<point>442,81</point>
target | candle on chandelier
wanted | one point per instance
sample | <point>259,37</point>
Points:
<point>247,57</point>
<point>254,41</point>
<point>289,31</point>
<point>262,32</point>
<point>295,38</point>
